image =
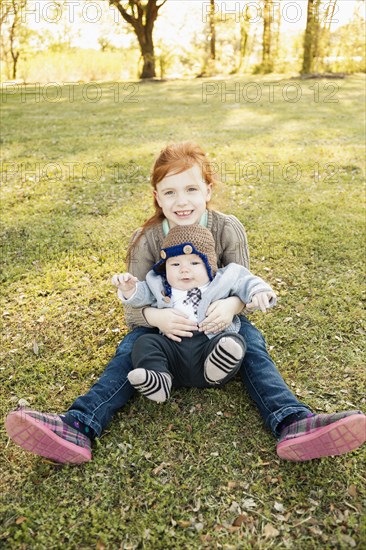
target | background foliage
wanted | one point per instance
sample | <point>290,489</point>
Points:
<point>249,37</point>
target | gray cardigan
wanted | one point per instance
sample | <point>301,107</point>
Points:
<point>232,280</point>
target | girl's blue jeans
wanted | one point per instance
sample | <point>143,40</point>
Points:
<point>259,374</point>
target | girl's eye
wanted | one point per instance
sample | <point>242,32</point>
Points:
<point>168,193</point>
<point>192,189</point>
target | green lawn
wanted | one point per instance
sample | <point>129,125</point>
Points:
<point>201,470</point>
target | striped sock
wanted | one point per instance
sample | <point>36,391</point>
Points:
<point>225,356</point>
<point>154,385</point>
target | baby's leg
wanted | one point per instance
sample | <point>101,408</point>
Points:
<point>225,358</point>
<point>153,385</point>
<point>150,375</point>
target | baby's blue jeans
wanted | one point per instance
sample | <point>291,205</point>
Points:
<point>259,374</point>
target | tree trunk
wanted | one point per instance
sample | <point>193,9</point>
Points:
<point>15,57</point>
<point>267,62</point>
<point>142,18</point>
<point>12,35</point>
<point>244,37</point>
<point>148,54</point>
<point>311,38</point>
<point>212,31</point>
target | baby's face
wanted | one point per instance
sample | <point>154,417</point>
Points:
<point>186,271</point>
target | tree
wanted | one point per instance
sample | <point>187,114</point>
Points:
<point>317,34</point>
<point>212,31</point>
<point>311,36</point>
<point>267,62</point>
<point>142,16</point>
<point>271,31</point>
<point>11,29</point>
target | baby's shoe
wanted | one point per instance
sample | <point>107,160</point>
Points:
<point>47,435</point>
<point>322,435</point>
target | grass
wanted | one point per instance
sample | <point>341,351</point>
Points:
<point>200,471</point>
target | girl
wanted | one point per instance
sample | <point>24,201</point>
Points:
<point>182,181</point>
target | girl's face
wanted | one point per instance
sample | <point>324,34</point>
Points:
<point>186,271</point>
<point>183,197</point>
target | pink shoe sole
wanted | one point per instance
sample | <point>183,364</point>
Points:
<point>338,438</point>
<point>37,438</point>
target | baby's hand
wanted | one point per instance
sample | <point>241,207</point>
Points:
<point>261,301</point>
<point>126,283</point>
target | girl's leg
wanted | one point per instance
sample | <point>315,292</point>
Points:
<point>67,438</point>
<point>112,391</point>
<point>151,375</point>
<point>263,381</point>
<point>302,434</point>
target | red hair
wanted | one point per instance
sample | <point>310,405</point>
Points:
<point>174,159</point>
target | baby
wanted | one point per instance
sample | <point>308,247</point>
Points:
<point>187,278</point>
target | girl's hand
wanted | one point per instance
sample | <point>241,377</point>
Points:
<point>171,322</point>
<point>220,314</point>
<point>261,301</point>
<point>126,283</point>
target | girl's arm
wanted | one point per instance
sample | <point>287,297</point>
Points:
<point>171,322</point>
<point>231,234</point>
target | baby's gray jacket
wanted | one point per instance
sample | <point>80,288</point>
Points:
<point>232,280</point>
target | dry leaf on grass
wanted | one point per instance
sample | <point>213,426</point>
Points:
<point>270,531</point>
<point>239,520</point>
<point>352,491</point>
<point>156,471</point>
<point>279,507</point>
<point>35,347</point>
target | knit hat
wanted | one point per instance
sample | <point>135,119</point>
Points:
<point>188,239</point>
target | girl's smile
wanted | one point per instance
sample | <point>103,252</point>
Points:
<point>183,197</point>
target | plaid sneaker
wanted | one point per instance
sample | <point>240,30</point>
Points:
<point>322,435</point>
<point>46,435</point>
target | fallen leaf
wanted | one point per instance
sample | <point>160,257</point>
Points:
<point>159,468</point>
<point>184,523</point>
<point>249,503</point>
<point>279,507</point>
<point>20,520</point>
<point>35,348</point>
<point>239,520</point>
<point>270,531</point>
<point>349,541</point>
<point>233,484</point>
<point>352,491</point>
